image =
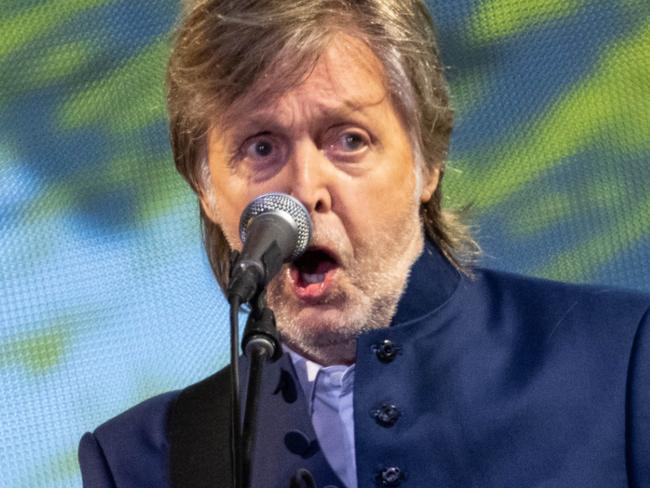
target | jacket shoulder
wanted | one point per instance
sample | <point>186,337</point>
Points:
<point>542,295</point>
<point>151,443</point>
<point>146,419</point>
<point>537,312</point>
<point>130,449</point>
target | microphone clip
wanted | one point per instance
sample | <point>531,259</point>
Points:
<point>250,276</point>
<point>261,333</point>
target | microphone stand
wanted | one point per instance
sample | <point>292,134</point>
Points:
<point>235,412</point>
<point>261,344</point>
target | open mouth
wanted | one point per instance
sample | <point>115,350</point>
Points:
<point>312,272</point>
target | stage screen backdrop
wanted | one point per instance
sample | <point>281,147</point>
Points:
<point>106,297</point>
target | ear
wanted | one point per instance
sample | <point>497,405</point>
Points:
<point>431,180</point>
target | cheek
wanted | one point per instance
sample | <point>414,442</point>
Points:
<point>375,205</point>
<point>391,190</point>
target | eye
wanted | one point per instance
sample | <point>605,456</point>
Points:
<point>352,141</point>
<point>261,151</point>
<point>348,144</point>
<point>260,148</point>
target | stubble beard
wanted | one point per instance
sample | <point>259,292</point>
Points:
<point>365,297</point>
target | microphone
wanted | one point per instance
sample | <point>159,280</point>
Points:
<point>275,228</point>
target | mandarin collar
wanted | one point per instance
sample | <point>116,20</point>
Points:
<point>432,280</point>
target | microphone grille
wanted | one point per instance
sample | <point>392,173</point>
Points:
<point>279,202</point>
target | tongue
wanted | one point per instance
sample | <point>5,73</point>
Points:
<point>307,279</point>
<point>315,274</point>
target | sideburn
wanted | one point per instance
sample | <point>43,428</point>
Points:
<point>217,248</point>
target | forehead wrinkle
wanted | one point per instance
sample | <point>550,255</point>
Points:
<point>330,102</point>
<point>337,87</point>
<point>328,95</point>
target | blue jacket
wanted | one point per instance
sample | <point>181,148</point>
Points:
<point>494,381</point>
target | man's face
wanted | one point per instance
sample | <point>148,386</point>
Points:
<point>336,143</point>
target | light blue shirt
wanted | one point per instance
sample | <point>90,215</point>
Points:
<point>329,392</point>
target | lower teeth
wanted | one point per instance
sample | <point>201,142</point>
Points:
<point>313,278</point>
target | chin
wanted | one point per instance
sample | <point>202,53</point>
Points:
<point>326,340</point>
<point>336,320</point>
<point>326,334</point>
<point>326,321</point>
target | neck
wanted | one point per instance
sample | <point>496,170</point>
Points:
<point>328,355</point>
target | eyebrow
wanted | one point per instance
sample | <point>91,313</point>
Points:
<point>264,119</point>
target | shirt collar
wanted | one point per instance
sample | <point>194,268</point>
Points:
<point>337,376</point>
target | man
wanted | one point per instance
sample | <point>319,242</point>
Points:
<point>404,366</point>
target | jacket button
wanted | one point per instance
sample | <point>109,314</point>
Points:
<point>386,350</point>
<point>386,415</point>
<point>391,476</point>
<point>299,444</point>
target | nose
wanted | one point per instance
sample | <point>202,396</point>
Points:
<point>309,178</point>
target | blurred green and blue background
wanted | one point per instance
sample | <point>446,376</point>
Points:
<point>106,297</point>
